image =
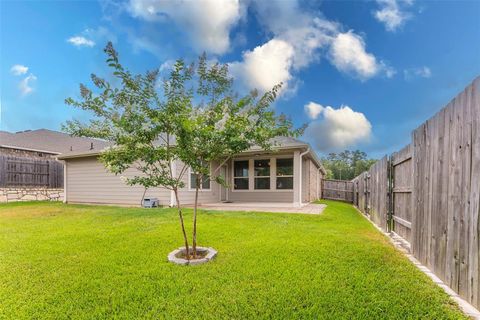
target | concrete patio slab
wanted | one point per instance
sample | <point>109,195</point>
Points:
<point>310,208</point>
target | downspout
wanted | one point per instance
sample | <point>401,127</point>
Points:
<point>301,174</point>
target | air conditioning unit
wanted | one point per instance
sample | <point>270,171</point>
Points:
<point>150,202</point>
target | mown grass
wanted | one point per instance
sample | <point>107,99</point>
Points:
<point>70,261</point>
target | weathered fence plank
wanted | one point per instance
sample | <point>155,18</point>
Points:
<point>378,185</point>
<point>337,190</point>
<point>28,172</point>
<point>436,193</point>
<point>402,167</point>
<point>474,200</point>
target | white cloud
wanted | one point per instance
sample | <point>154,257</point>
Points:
<point>348,55</point>
<point>91,36</point>
<point>80,41</point>
<point>207,22</point>
<point>167,65</point>
<point>18,69</point>
<point>338,128</point>
<point>305,32</point>
<point>422,72</point>
<point>392,13</point>
<point>100,34</point>
<point>313,110</point>
<point>25,85</point>
<point>298,40</point>
<point>265,66</point>
<point>390,72</point>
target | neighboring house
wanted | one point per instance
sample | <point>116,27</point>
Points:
<point>29,169</point>
<point>44,143</point>
<point>291,174</point>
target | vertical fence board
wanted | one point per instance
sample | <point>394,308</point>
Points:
<point>378,192</point>
<point>474,200</point>
<point>436,193</point>
<point>28,172</point>
<point>337,190</point>
<point>402,167</point>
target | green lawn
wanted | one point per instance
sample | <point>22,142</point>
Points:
<point>69,261</point>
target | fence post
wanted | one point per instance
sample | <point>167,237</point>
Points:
<point>390,193</point>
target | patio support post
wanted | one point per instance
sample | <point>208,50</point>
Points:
<point>300,184</point>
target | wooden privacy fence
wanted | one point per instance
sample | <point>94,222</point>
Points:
<point>27,172</point>
<point>429,193</point>
<point>402,185</point>
<point>337,190</point>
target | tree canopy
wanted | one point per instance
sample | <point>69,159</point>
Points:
<point>346,165</point>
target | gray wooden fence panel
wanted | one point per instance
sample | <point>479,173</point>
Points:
<point>446,193</point>
<point>337,190</point>
<point>28,172</point>
<point>474,200</point>
<point>379,192</point>
<point>371,190</point>
<point>436,193</point>
<point>360,192</point>
<point>402,167</point>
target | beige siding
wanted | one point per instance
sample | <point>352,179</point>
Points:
<point>310,181</point>
<point>313,181</point>
<point>305,179</point>
<point>187,195</point>
<point>89,182</point>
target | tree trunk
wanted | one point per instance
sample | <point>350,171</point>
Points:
<point>194,238</point>
<point>180,214</point>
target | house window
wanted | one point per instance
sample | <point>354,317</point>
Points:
<point>204,183</point>
<point>240,175</point>
<point>284,174</point>
<point>262,174</point>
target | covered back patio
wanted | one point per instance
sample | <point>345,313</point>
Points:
<point>310,208</point>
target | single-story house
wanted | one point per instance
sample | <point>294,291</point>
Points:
<point>291,174</point>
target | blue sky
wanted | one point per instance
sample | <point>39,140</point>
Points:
<point>361,74</point>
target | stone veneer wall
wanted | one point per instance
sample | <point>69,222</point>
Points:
<point>12,194</point>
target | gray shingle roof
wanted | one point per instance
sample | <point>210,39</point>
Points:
<point>280,142</point>
<point>288,142</point>
<point>49,141</point>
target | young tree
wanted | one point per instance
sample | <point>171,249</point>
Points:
<point>150,131</point>
<point>139,124</point>
<point>223,126</point>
